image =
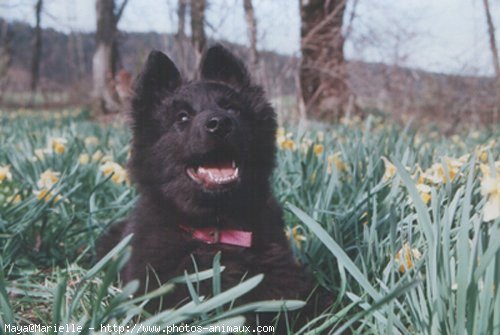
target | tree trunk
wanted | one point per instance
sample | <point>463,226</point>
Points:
<point>181,17</point>
<point>252,36</point>
<point>198,28</point>
<point>181,39</point>
<point>493,45</point>
<point>37,49</point>
<point>323,73</point>
<point>104,62</point>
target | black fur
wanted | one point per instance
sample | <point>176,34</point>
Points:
<point>164,146</point>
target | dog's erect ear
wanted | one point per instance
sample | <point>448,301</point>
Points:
<point>219,64</point>
<point>158,77</point>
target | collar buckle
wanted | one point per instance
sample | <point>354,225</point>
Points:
<point>215,235</point>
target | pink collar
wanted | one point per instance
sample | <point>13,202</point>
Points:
<point>214,235</point>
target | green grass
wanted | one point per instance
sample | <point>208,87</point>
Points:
<point>405,253</point>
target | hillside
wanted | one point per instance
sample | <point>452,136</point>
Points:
<point>67,63</point>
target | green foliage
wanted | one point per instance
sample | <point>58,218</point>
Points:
<point>405,246</point>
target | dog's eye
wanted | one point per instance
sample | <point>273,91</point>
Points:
<point>183,117</point>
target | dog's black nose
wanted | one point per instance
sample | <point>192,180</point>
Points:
<point>219,125</point>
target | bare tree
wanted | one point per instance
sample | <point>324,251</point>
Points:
<point>5,56</point>
<point>252,35</point>
<point>104,62</point>
<point>181,16</point>
<point>198,27</point>
<point>493,45</point>
<point>181,40</point>
<point>323,72</point>
<point>37,49</point>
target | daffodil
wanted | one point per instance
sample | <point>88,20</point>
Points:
<point>490,188</point>
<point>482,151</point>
<point>39,154</point>
<point>425,192</point>
<point>280,136</point>
<point>96,156</point>
<point>364,218</point>
<point>406,256</point>
<point>318,149</point>
<point>119,173</point>
<point>91,141</point>
<point>337,160</point>
<point>14,199</point>
<point>390,170</point>
<point>486,170</point>
<point>294,235</point>
<point>46,195</point>
<point>436,174</point>
<point>288,144</point>
<point>48,179</point>
<point>58,144</point>
<point>84,159</point>
<point>5,173</point>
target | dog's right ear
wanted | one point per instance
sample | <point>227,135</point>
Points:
<point>158,77</point>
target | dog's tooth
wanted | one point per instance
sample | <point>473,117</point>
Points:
<point>234,164</point>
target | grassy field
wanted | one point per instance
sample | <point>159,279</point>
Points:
<point>402,226</point>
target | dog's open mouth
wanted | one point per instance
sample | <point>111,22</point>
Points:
<point>213,175</point>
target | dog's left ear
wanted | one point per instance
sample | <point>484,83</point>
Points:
<point>219,64</point>
<point>158,77</point>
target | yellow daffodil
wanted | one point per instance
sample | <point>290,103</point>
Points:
<point>490,188</point>
<point>364,218</point>
<point>284,141</point>
<point>48,179</point>
<point>46,195</point>
<point>487,171</point>
<point>84,159</point>
<point>318,149</point>
<point>482,151</point>
<point>5,173</point>
<point>337,160</point>
<point>57,144</point>
<point>14,199</point>
<point>39,154</point>
<point>280,135</point>
<point>280,132</point>
<point>119,173</point>
<point>390,170</point>
<point>96,156</point>
<point>406,256</point>
<point>294,235</point>
<point>288,144</point>
<point>425,192</point>
<point>436,173</point>
<point>91,141</point>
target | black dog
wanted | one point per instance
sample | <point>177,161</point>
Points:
<point>202,156</point>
